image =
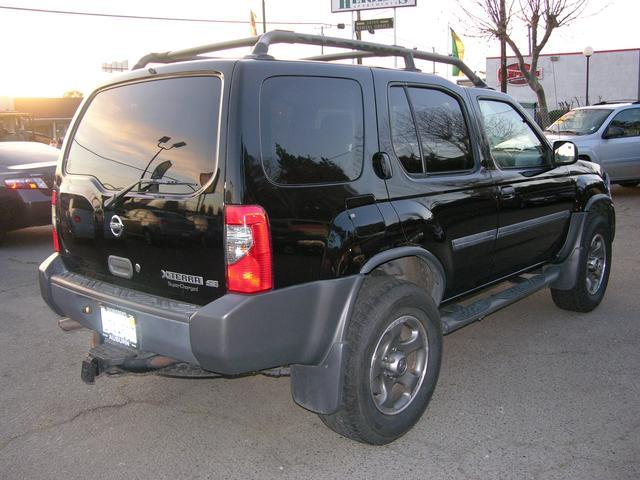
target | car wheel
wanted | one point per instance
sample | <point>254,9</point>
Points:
<point>629,184</point>
<point>392,364</point>
<point>594,268</point>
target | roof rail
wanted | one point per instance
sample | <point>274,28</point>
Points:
<point>612,102</point>
<point>360,49</point>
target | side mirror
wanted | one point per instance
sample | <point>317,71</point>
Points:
<point>613,132</point>
<point>565,152</point>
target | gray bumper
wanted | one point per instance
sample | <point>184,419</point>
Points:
<point>232,335</point>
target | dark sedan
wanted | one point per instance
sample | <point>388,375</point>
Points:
<point>26,175</point>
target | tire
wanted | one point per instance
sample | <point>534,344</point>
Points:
<point>629,184</point>
<point>388,314</point>
<point>593,270</point>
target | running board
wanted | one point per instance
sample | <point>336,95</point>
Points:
<point>455,316</point>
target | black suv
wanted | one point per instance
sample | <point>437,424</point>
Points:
<point>329,220</point>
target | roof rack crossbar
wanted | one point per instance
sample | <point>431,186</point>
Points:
<point>283,36</point>
<point>432,57</point>
<point>359,49</point>
<point>189,53</point>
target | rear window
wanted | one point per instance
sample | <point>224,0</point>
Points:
<point>312,130</point>
<point>162,129</point>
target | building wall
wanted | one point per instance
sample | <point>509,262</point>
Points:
<point>613,75</point>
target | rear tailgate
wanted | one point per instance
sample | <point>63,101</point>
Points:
<point>161,238</point>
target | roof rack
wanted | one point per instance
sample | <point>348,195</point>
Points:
<point>359,49</point>
<point>612,102</point>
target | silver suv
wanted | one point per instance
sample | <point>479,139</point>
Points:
<point>607,134</point>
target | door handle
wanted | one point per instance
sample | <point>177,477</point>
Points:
<point>507,193</point>
<point>382,165</point>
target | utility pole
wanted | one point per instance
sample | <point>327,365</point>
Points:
<point>264,19</point>
<point>358,34</point>
<point>503,47</point>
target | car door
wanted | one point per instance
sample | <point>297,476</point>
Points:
<point>442,193</point>
<point>620,145</point>
<point>535,197</point>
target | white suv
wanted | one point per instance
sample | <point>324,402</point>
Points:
<point>607,134</point>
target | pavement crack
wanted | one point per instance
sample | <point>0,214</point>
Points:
<point>51,426</point>
<point>22,262</point>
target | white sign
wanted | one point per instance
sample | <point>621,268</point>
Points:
<point>350,5</point>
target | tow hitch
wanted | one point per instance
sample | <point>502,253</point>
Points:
<point>110,358</point>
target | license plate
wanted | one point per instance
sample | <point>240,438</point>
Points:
<point>119,326</point>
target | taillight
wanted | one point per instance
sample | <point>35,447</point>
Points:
<point>54,231</point>
<point>248,245</point>
<point>26,183</point>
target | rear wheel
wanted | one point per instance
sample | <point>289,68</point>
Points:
<point>392,364</point>
<point>593,272</point>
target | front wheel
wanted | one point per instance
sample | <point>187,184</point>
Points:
<point>392,364</point>
<point>594,268</point>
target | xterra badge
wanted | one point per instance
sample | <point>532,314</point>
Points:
<point>181,277</point>
<point>184,278</point>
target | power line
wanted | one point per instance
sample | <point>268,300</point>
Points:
<point>138,17</point>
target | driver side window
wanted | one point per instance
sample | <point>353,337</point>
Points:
<point>512,141</point>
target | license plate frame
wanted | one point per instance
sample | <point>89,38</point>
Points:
<point>119,326</point>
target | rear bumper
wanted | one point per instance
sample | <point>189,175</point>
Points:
<point>232,335</point>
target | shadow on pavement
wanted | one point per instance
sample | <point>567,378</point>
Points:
<point>27,238</point>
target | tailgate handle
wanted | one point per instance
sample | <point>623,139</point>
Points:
<point>120,266</point>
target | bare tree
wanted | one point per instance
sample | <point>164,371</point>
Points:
<point>542,17</point>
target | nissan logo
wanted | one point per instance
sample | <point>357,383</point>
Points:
<point>116,226</point>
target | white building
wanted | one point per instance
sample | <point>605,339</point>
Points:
<point>613,75</point>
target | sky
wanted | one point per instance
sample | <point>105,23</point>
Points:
<point>48,54</point>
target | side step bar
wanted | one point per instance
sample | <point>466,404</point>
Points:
<point>455,316</point>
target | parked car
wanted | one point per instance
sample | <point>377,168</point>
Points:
<point>607,134</point>
<point>26,176</point>
<point>353,215</point>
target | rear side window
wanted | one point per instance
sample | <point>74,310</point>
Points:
<point>403,132</point>
<point>161,129</point>
<point>428,129</point>
<point>311,130</point>
<point>442,129</point>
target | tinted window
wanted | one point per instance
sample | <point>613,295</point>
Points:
<point>629,121</point>
<point>311,129</point>
<point>512,141</point>
<point>442,130</point>
<point>163,129</point>
<point>403,131</point>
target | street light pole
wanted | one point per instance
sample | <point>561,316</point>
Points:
<point>587,52</point>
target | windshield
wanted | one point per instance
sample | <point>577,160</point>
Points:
<point>580,122</point>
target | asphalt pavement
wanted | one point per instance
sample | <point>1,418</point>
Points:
<point>531,392</point>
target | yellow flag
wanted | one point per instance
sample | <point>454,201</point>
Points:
<point>457,51</point>
<point>252,21</point>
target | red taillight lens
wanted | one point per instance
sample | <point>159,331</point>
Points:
<point>248,244</point>
<point>54,231</point>
<point>26,183</point>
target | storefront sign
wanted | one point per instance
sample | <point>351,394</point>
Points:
<point>350,5</point>
<point>515,76</point>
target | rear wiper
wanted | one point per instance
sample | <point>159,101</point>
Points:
<point>112,201</point>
